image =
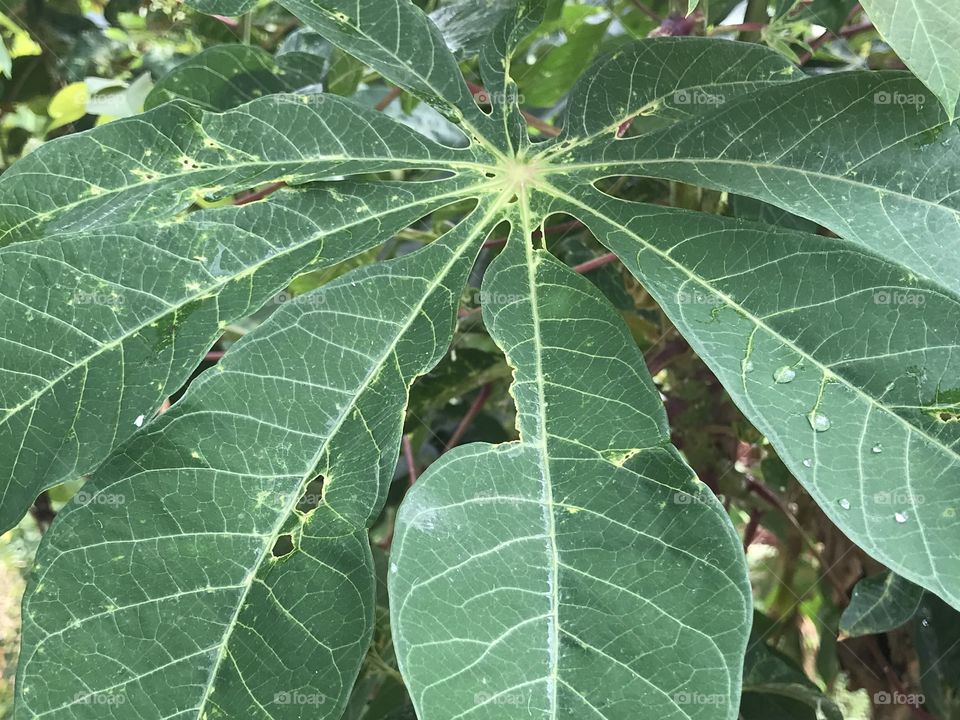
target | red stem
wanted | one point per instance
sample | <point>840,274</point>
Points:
<point>589,265</point>
<point>259,194</point>
<point>472,411</point>
<point>411,461</point>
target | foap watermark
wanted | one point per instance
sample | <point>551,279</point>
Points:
<point>85,497</point>
<point>898,497</point>
<point>111,299</point>
<point>698,297</point>
<point>896,297</point>
<point>685,498</point>
<point>490,299</point>
<point>295,697</point>
<point>99,698</point>
<point>312,298</point>
<point>693,698</point>
<point>898,698</point>
<point>491,698</point>
<point>697,97</point>
<point>498,97</point>
<point>895,97</point>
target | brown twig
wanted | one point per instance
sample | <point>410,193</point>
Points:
<point>410,459</point>
<point>597,262</point>
<point>392,94</point>
<point>481,95</point>
<point>750,531</point>
<point>475,407</point>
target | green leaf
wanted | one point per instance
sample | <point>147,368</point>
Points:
<point>803,148</point>
<point>773,686</point>
<point>562,50</point>
<point>844,360</point>
<point>223,77</point>
<point>937,637</point>
<point>575,545</point>
<point>92,345</point>
<point>63,408</point>
<point>157,164</point>
<point>266,558</point>
<point>923,34</point>
<point>657,82</point>
<point>879,604</point>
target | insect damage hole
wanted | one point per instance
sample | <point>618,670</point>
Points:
<point>283,546</point>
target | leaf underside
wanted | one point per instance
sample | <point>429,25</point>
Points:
<point>581,571</point>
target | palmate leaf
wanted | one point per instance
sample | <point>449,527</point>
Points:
<point>588,529</point>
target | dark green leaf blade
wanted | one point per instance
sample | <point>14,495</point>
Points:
<point>868,155</point>
<point>879,604</point>
<point>91,346</point>
<point>574,545</point>
<point>846,361</point>
<point>158,163</point>
<point>924,36</point>
<point>210,544</point>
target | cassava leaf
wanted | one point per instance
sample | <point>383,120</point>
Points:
<point>879,604</point>
<point>773,686</point>
<point>225,76</point>
<point>923,34</point>
<point>66,345</point>
<point>315,397</point>
<point>575,545</point>
<point>853,408</point>
<point>860,153</point>
<point>581,571</point>
<point>91,345</point>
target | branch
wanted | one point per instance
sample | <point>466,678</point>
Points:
<point>472,411</point>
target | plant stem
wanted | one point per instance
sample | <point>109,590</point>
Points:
<point>755,14</point>
<point>475,407</point>
<point>411,461</point>
<point>597,262</point>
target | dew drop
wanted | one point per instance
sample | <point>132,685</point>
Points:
<point>746,365</point>
<point>139,421</point>
<point>925,622</point>
<point>844,503</point>
<point>808,462</point>
<point>393,568</point>
<point>900,517</point>
<point>784,374</point>
<point>877,449</point>
<point>819,422</point>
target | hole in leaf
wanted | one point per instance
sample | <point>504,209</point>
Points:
<point>283,546</point>
<point>312,495</point>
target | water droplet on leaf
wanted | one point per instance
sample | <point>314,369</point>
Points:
<point>844,503</point>
<point>139,421</point>
<point>808,462</point>
<point>900,517</point>
<point>784,374</point>
<point>877,449</point>
<point>819,422</point>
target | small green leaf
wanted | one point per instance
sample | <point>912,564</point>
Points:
<point>879,604</point>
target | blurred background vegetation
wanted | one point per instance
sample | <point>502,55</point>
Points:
<point>69,65</point>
